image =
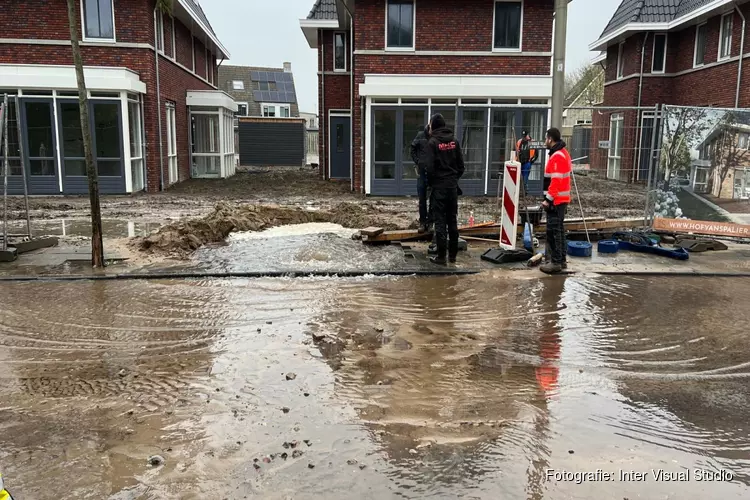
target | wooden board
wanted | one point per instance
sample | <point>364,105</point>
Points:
<point>371,231</point>
<point>494,230</point>
<point>702,227</point>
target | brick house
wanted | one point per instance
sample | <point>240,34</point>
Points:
<point>384,66</point>
<point>267,92</point>
<point>722,168</point>
<point>673,52</point>
<point>157,117</point>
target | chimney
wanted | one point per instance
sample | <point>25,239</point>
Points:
<point>287,67</point>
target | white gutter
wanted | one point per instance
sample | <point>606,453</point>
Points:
<point>739,63</point>
<point>602,43</point>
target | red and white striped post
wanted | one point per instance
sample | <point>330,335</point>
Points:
<point>509,219</point>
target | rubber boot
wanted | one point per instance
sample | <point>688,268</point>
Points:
<point>551,268</point>
<point>452,251</point>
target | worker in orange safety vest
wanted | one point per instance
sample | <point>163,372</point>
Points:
<point>557,175</point>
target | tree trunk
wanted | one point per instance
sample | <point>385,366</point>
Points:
<point>97,247</point>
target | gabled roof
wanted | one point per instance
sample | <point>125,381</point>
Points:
<point>323,15</point>
<point>644,15</point>
<point>197,10</point>
<point>324,9</point>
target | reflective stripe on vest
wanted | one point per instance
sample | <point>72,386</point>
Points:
<point>556,175</point>
<point>563,194</point>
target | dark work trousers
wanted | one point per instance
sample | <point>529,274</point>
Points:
<point>424,214</point>
<point>556,244</point>
<point>445,213</point>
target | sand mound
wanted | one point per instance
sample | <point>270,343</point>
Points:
<point>181,238</point>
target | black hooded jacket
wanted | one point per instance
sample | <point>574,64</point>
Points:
<point>443,159</point>
<point>418,145</point>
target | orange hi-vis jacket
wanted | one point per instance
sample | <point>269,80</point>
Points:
<point>558,170</point>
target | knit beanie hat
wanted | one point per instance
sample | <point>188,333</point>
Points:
<point>437,121</point>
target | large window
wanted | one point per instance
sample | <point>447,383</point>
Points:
<point>107,137</point>
<point>699,57</point>
<point>242,109</point>
<point>508,22</point>
<point>400,24</point>
<point>385,143</point>
<point>725,39</point>
<point>135,125</point>
<point>14,152</point>
<point>620,60</point>
<point>659,58</point>
<point>474,143</point>
<point>275,110</point>
<point>339,52</point>
<point>206,144</point>
<point>174,173</point>
<point>160,32</point>
<point>39,130</point>
<point>413,121</point>
<point>98,19</point>
<point>614,162</point>
<point>265,86</point>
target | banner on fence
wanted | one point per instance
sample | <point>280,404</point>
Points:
<point>509,219</point>
<point>702,227</point>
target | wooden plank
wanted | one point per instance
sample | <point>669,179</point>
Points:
<point>35,244</point>
<point>573,225</point>
<point>371,231</point>
<point>702,227</point>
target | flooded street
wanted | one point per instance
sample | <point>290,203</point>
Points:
<point>374,388</point>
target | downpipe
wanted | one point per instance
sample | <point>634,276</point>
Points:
<point>742,55</point>
<point>158,104</point>
<point>638,113</point>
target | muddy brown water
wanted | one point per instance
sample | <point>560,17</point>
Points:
<point>469,387</point>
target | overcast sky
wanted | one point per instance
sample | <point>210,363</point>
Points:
<point>267,33</point>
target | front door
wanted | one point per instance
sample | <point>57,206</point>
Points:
<point>340,147</point>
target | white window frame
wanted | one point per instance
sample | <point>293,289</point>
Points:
<point>174,41</point>
<point>520,35</point>
<point>139,156</point>
<point>721,36</point>
<point>174,171</point>
<point>653,54</point>
<point>235,82</point>
<point>102,40</point>
<point>209,76</point>
<point>160,32</point>
<point>620,60</point>
<point>335,69</point>
<point>192,45</point>
<point>247,108</point>
<point>413,31</point>
<point>615,147</point>
<point>696,64</point>
<point>277,109</point>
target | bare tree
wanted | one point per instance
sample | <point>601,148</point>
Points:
<point>586,82</point>
<point>97,247</point>
<point>682,127</point>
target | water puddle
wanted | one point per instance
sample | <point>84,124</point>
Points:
<point>111,228</point>
<point>373,388</point>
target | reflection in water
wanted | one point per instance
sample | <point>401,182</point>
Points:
<point>413,387</point>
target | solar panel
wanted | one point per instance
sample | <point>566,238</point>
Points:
<point>266,96</point>
<point>274,96</point>
<point>287,97</point>
<point>257,95</point>
<point>288,77</point>
<point>255,76</point>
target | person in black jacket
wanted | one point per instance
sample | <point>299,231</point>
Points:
<point>444,164</point>
<point>417,147</point>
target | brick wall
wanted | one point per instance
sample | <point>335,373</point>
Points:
<point>337,90</point>
<point>133,23</point>
<point>52,16</point>
<point>451,25</point>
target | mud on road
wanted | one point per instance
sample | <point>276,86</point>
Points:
<point>303,188</point>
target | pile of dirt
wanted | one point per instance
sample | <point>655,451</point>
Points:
<point>180,239</point>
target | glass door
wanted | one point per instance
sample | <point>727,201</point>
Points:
<point>473,140</point>
<point>502,143</point>
<point>535,123</point>
<point>384,127</point>
<point>413,121</point>
<point>40,145</point>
